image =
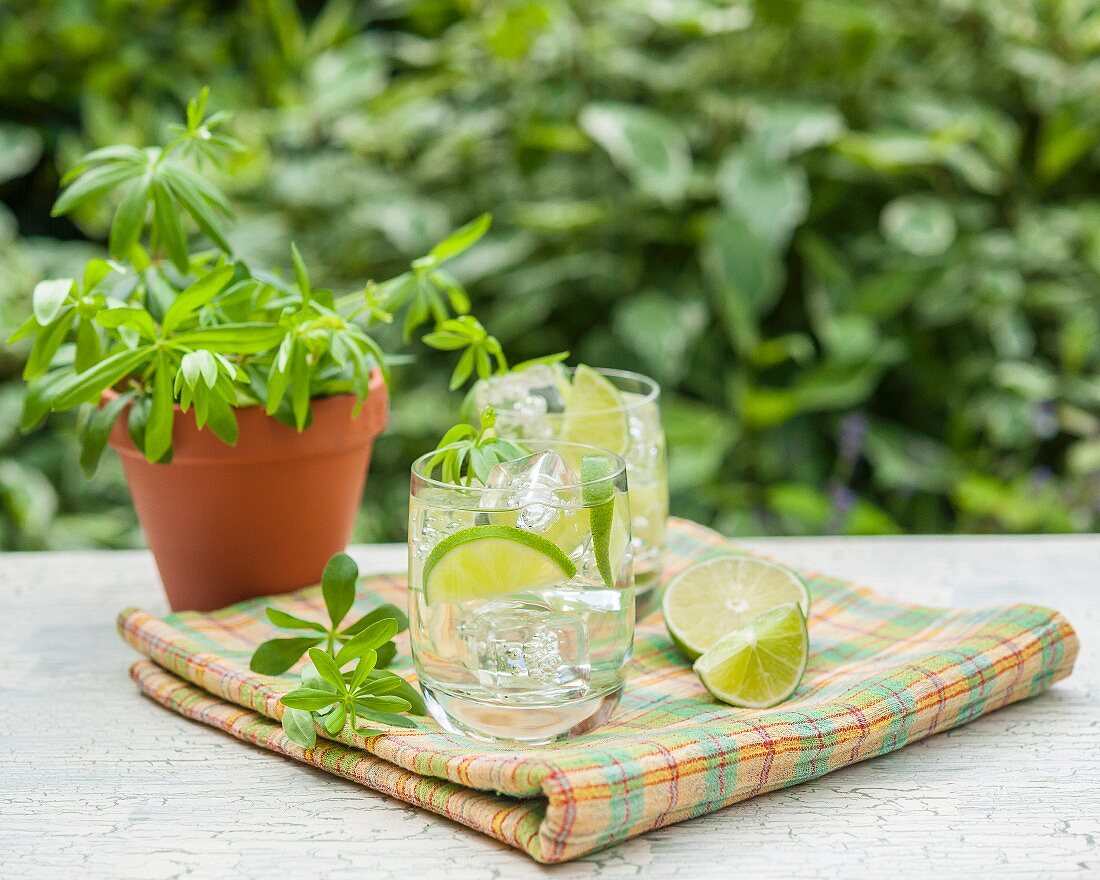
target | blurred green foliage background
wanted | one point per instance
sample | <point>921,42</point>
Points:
<point>858,241</point>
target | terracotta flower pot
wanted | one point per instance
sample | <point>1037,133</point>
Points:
<point>227,523</point>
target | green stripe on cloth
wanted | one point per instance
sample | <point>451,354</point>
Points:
<point>881,674</point>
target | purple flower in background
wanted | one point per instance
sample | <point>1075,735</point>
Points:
<point>1045,421</point>
<point>844,499</point>
<point>853,428</point>
<point>1040,477</point>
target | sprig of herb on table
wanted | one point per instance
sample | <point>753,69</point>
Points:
<point>338,582</point>
<point>466,453</point>
<point>327,695</point>
<point>332,698</point>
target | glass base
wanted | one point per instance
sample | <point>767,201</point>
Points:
<point>527,725</point>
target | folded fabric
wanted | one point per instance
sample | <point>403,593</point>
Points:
<point>881,674</point>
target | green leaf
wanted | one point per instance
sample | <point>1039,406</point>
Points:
<point>289,621</point>
<point>195,205</point>
<point>222,420</point>
<point>46,346</point>
<point>276,656</point>
<point>462,238</point>
<point>385,655</point>
<point>169,226</point>
<point>91,184</point>
<point>311,679</point>
<point>196,108</point>
<point>384,703</point>
<point>198,365</point>
<point>388,718</point>
<point>20,149</point>
<point>88,348</point>
<point>334,722</point>
<point>39,397</point>
<point>406,691</point>
<point>362,671</point>
<point>338,582</point>
<point>299,728</point>
<point>243,338</point>
<point>327,668</point>
<point>385,685</point>
<point>309,699</point>
<point>372,637</point>
<point>382,612</point>
<point>919,225</point>
<point>130,218</point>
<point>76,388</point>
<point>158,429</point>
<point>745,277</point>
<point>301,274</point>
<point>299,386</point>
<point>94,273</point>
<point>97,428</point>
<point>135,318</point>
<point>117,153</point>
<point>773,199</point>
<point>195,296</point>
<point>28,328</point>
<point>182,177</point>
<point>48,298</point>
<point>647,146</point>
<point>139,415</point>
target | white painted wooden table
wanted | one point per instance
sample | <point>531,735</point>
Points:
<point>99,782</point>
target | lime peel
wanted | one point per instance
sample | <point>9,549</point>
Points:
<point>599,496</point>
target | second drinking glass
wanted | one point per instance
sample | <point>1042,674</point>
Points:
<point>613,409</point>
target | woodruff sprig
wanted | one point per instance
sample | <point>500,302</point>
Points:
<point>466,453</point>
<point>333,698</point>
<point>328,695</point>
<point>371,632</point>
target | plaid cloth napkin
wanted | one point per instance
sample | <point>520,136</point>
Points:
<point>881,674</point>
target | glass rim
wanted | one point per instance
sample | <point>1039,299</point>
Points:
<point>618,467</point>
<point>649,396</point>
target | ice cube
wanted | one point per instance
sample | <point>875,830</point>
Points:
<point>440,512</point>
<point>534,485</point>
<point>519,647</point>
<point>532,392</point>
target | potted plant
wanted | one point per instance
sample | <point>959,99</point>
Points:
<point>244,405</point>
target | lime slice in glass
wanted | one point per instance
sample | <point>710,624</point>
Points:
<point>719,595</point>
<point>594,414</point>
<point>761,664</point>
<point>486,561</point>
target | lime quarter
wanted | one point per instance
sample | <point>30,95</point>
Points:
<point>761,664</point>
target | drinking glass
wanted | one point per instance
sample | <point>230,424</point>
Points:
<point>521,593</point>
<point>522,412</point>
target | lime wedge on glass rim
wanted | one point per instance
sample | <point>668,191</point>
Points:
<point>761,664</point>
<point>485,561</point>
<point>721,594</point>
<point>594,413</point>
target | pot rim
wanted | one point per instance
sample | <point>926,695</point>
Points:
<point>263,438</point>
